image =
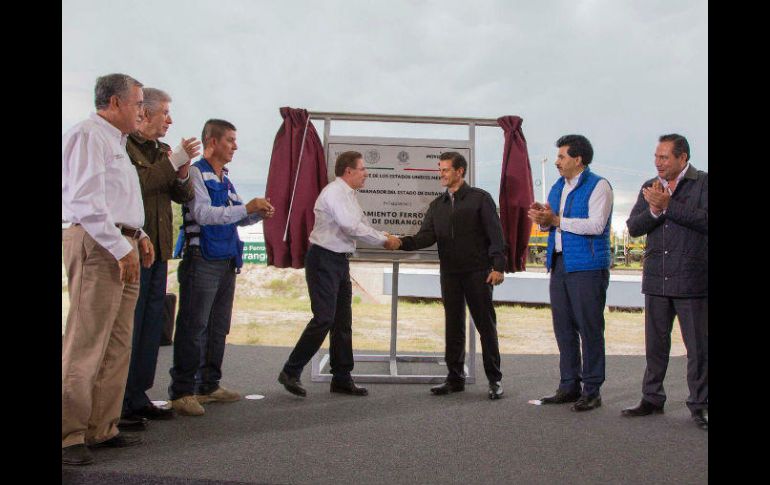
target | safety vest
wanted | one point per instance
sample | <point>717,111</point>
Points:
<point>217,241</point>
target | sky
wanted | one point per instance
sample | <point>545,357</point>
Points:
<point>622,73</point>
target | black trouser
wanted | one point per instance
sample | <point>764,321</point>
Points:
<point>148,329</point>
<point>577,307</point>
<point>659,312</point>
<point>456,290</point>
<point>328,281</point>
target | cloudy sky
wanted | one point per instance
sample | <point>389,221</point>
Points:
<point>619,72</point>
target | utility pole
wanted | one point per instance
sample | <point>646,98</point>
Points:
<point>542,178</point>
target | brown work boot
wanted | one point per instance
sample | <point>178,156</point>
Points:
<point>220,395</point>
<point>187,406</point>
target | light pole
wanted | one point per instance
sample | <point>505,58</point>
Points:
<point>542,178</point>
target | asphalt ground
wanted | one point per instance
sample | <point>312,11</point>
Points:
<point>401,433</point>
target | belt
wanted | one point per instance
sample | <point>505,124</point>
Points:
<point>130,231</point>
<point>125,230</point>
<point>346,255</point>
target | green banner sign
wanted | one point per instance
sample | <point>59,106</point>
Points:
<point>254,253</point>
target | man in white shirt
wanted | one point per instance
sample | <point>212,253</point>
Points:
<point>101,198</point>
<point>339,222</point>
<point>579,258</point>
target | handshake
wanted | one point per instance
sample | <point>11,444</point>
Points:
<point>392,243</point>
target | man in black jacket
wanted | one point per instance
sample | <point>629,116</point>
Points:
<point>471,251</point>
<point>672,210</point>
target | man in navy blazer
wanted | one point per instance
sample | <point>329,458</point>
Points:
<point>672,210</point>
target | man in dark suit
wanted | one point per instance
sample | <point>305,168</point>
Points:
<point>471,251</point>
<point>672,210</point>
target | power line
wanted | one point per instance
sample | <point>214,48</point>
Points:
<point>621,169</point>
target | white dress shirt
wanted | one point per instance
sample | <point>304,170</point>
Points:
<point>100,186</point>
<point>339,220</point>
<point>599,208</point>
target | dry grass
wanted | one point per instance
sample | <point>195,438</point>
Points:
<point>272,308</point>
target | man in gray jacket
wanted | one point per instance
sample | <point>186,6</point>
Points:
<point>672,210</point>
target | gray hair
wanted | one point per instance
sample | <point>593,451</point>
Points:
<point>112,85</point>
<point>153,98</point>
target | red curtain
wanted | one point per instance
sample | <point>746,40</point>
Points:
<point>284,164</point>
<point>516,193</point>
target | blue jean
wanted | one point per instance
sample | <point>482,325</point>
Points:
<point>148,328</point>
<point>577,306</point>
<point>206,291</point>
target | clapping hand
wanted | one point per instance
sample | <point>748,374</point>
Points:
<point>543,214</point>
<point>657,197</point>
<point>191,146</point>
<point>184,152</point>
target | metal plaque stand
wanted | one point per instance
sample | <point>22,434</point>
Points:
<point>319,362</point>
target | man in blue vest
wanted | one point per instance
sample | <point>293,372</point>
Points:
<point>578,258</point>
<point>212,257</point>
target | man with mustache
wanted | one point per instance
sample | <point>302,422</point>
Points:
<point>163,176</point>
<point>578,257</point>
<point>672,210</point>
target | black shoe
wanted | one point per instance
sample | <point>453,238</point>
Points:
<point>448,387</point>
<point>495,390</point>
<point>120,440</point>
<point>642,409</point>
<point>151,411</point>
<point>587,403</point>
<point>701,418</point>
<point>132,423</point>
<point>292,384</point>
<point>561,397</point>
<point>349,387</point>
<point>76,455</point>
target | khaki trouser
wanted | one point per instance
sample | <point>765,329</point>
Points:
<point>97,341</point>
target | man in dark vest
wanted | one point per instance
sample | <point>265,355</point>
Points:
<point>471,249</point>
<point>212,256</point>
<point>672,210</point>
<point>578,258</point>
<point>163,176</point>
